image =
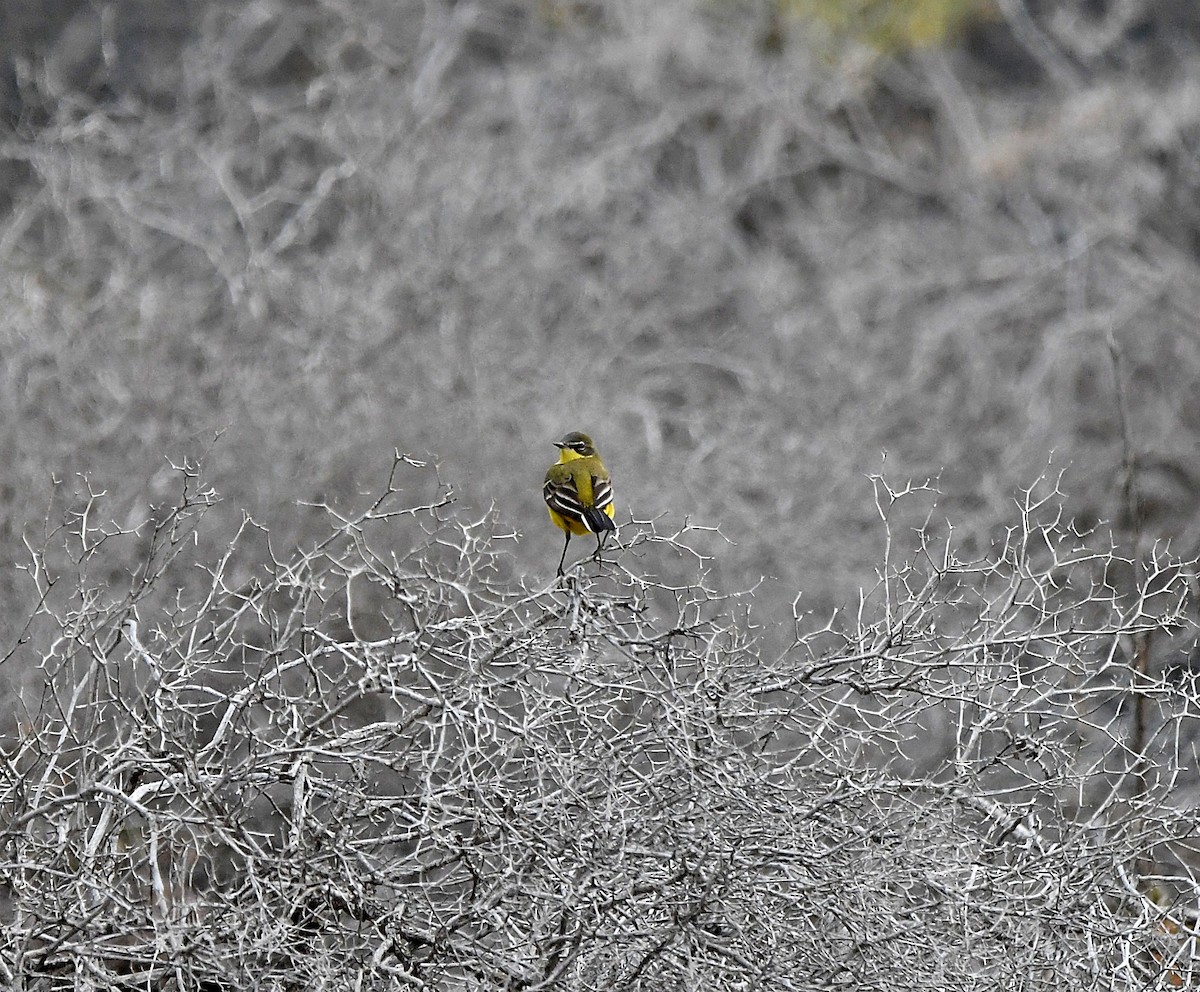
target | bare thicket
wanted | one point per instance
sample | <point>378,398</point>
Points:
<point>336,748</point>
<point>383,763</point>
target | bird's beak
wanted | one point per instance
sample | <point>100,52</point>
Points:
<point>559,445</point>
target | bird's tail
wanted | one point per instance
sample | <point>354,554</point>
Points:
<point>597,521</point>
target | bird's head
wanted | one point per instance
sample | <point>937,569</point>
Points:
<point>575,445</point>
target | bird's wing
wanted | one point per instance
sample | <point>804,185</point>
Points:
<point>562,494</point>
<point>602,492</point>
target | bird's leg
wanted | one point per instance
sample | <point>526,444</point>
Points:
<point>601,540</point>
<point>564,554</point>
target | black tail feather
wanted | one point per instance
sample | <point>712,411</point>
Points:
<point>597,521</point>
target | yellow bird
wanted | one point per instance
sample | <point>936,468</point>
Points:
<point>579,493</point>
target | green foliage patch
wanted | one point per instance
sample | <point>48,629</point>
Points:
<point>890,26</point>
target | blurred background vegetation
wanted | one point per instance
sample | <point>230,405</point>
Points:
<point>890,28</point>
<point>760,251</point>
